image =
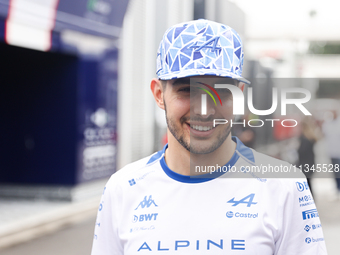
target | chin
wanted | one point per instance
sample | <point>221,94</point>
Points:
<point>201,149</point>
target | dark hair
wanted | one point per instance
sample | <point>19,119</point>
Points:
<point>163,83</point>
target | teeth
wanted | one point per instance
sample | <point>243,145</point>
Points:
<point>201,128</point>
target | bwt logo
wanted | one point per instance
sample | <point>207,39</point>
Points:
<point>302,186</point>
<point>238,99</point>
<point>145,217</point>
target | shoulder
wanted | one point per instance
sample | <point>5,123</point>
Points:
<point>139,167</point>
<point>278,172</point>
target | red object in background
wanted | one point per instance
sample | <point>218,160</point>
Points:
<point>165,139</point>
<point>281,132</point>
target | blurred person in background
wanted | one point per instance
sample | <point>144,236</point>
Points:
<point>310,134</point>
<point>246,133</point>
<point>160,205</point>
<point>331,130</point>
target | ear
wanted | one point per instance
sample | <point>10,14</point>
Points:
<point>157,91</point>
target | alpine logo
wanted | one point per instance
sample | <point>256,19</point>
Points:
<point>146,202</point>
<point>188,245</point>
<point>313,213</point>
<point>248,200</point>
<point>212,41</point>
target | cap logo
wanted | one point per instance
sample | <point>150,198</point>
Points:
<point>207,44</point>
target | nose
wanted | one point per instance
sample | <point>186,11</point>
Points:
<point>203,105</point>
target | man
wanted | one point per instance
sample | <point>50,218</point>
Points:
<point>331,130</point>
<point>172,201</point>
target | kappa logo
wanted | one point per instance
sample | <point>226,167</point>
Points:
<point>207,44</point>
<point>146,202</point>
<point>248,200</point>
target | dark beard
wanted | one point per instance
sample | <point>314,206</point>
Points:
<point>180,138</point>
<point>173,130</point>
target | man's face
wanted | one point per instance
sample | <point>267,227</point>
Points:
<point>192,129</point>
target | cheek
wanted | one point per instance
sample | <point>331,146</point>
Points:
<point>178,105</point>
<point>227,108</point>
<point>181,102</point>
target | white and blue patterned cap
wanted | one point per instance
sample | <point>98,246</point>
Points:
<point>200,47</point>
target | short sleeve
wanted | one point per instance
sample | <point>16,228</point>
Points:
<point>301,231</point>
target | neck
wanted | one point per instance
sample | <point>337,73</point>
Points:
<point>180,159</point>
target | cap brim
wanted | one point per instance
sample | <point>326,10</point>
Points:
<point>199,72</point>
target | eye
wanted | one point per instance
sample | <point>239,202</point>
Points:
<point>224,92</point>
<point>184,89</point>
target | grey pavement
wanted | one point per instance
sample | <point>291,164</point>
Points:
<point>72,240</point>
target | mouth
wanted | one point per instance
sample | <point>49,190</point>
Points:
<point>201,128</point>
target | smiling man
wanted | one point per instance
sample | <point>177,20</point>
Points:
<point>195,196</point>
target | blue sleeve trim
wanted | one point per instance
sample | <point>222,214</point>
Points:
<point>157,155</point>
<point>244,150</point>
